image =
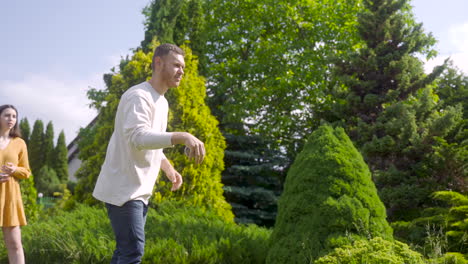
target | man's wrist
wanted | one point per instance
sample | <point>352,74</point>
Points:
<point>178,138</point>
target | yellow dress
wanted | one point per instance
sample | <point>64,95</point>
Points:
<point>11,204</point>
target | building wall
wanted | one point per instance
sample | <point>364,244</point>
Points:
<point>73,165</point>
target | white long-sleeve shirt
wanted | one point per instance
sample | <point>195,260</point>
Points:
<point>134,153</point>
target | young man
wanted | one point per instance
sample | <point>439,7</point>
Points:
<point>135,153</point>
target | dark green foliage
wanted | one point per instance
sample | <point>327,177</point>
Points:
<point>48,145</point>
<point>328,201</point>
<point>452,88</point>
<point>25,130</point>
<point>36,156</point>
<point>47,181</point>
<point>29,197</point>
<point>252,178</point>
<point>161,21</point>
<point>376,250</point>
<point>175,21</point>
<point>41,152</point>
<point>174,234</point>
<point>60,163</point>
<point>410,155</point>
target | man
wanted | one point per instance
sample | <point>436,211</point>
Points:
<point>134,155</point>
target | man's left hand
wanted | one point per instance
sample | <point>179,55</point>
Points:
<point>175,178</point>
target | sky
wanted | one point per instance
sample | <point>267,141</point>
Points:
<point>53,51</point>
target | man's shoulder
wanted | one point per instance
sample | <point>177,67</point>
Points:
<point>139,89</point>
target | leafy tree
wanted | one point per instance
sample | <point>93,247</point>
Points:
<point>48,145</point>
<point>328,201</point>
<point>25,129</point>
<point>268,64</point>
<point>389,108</point>
<point>47,181</point>
<point>36,141</point>
<point>60,163</point>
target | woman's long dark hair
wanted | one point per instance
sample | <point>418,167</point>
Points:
<point>15,131</point>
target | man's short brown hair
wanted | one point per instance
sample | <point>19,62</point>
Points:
<point>164,49</point>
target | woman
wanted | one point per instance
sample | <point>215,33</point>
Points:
<point>14,165</point>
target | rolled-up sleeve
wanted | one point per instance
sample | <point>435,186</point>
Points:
<point>137,123</point>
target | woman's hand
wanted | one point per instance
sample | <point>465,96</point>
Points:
<point>4,177</point>
<point>9,168</point>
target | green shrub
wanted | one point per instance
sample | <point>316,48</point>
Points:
<point>201,237</point>
<point>440,229</point>
<point>450,258</point>
<point>29,197</point>
<point>174,234</point>
<point>47,181</point>
<point>376,250</point>
<point>328,200</point>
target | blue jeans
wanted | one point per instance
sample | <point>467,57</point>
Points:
<point>128,222</point>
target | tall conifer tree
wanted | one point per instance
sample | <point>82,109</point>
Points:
<point>48,146</point>
<point>25,130</point>
<point>35,147</point>
<point>60,163</point>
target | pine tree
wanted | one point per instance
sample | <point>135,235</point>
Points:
<point>252,179</point>
<point>60,163</point>
<point>35,149</point>
<point>389,109</point>
<point>25,130</point>
<point>329,200</point>
<point>48,146</point>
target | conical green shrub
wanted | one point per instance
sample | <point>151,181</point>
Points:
<point>329,200</point>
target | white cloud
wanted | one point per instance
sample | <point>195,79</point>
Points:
<point>62,101</point>
<point>460,60</point>
<point>459,36</point>
<point>459,55</point>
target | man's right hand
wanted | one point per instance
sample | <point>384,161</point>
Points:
<point>197,148</point>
